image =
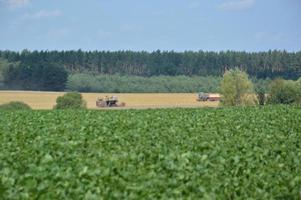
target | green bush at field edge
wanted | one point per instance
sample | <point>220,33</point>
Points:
<point>70,100</point>
<point>15,105</point>
<point>284,92</point>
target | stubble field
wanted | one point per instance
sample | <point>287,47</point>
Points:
<point>46,100</point>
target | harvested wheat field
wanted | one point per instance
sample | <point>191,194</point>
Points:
<point>46,100</point>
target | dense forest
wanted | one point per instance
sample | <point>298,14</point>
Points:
<point>158,71</point>
<point>261,65</point>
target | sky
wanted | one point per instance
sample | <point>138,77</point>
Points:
<point>148,25</point>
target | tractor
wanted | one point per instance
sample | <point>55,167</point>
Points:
<point>108,102</point>
<point>208,97</point>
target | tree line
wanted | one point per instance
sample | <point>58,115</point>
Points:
<point>137,84</point>
<point>169,63</point>
<point>83,82</point>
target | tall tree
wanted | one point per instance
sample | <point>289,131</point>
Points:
<point>45,76</point>
<point>236,88</point>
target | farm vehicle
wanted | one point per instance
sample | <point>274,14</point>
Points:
<point>109,102</point>
<point>208,97</point>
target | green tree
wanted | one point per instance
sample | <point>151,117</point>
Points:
<point>236,89</point>
<point>54,78</point>
<point>46,76</point>
<point>70,100</point>
<point>4,67</point>
<point>260,93</point>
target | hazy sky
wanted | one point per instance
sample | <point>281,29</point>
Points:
<point>250,25</point>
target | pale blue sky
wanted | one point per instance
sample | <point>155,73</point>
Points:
<point>244,25</point>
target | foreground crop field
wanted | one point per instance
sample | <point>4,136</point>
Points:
<point>46,100</point>
<point>230,153</point>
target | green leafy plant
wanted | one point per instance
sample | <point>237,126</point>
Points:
<point>228,153</point>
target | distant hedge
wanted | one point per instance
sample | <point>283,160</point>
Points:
<point>82,82</point>
<point>85,82</point>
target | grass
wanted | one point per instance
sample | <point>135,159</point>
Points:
<point>46,100</point>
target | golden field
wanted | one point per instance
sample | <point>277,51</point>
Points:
<point>46,100</point>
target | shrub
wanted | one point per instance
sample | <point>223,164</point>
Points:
<point>70,100</point>
<point>236,89</point>
<point>283,92</point>
<point>15,105</point>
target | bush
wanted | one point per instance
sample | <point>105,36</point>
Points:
<point>70,100</point>
<point>236,89</point>
<point>15,105</point>
<point>283,92</point>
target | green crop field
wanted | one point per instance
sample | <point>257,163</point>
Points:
<point>228,153</point>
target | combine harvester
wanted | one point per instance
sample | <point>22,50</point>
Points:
<point>208,97</point>
<point>108,102</point>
